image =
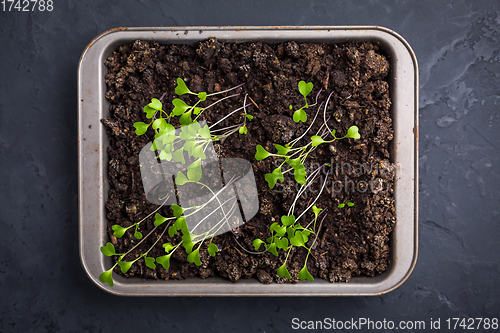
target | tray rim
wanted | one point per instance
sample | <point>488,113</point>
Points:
<point>192,287</point>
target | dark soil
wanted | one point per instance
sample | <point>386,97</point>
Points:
<point>353,240</point>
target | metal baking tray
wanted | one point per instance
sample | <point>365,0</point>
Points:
<point>93,159</point>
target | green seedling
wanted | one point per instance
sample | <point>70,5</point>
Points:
<point>192,139</point>
<point>109,250</point>
<point>300,114</point>
<point>190,241</point>
<point>185,111</point>
<point>290,233</point>
<point>349,204</point>
<point>295,157</point>
<point>160,119</point>
<point>243,129</point>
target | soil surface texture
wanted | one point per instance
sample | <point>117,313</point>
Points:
<point>353,240</point>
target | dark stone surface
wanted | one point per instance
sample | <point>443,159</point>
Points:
<point>42,284</point>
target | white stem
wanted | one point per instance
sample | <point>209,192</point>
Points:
<point>229,115</point>
<point>300,137</point>
<point>224,91</point>
<point>225,128</point>
<point>220,207</point>
<point>225,219</point>
<point>317,95</point>
<point>220,100</point>
<point>302,190</point>
<point>317,197</point>
<point>321,212</point>
<point>215,195</point>
<point>324,112</point>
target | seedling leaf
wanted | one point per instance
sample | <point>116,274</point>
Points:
<point>282,150</point>
<point>261,153</point>
<point>300,176</point>
<point>194,171</point>
<point>188,146</point>
<point>316,210</point>
<point>179,107</point>
<point>243,130</point>
<point>125,265</point>
<point>202,96</point>
<point>186,135</point>
<point>352,132</point>
<point>181,88</point>
<point>193,129</point>
<point>300,115</point>
<point>288,220</point>
<point>280,231</point>
<point>198,152</point>
<point>118,230</point>
<point>168,130</point>
<point>140,128</point>
<point>180,224</point>
<point>305,88</point>
<point>305,235</point>
<point>277,241</point>
<point>342,205</point>
<point>180,179</point>
<point>294,163</point>
<point>316,140</point>
<point>284,243</point>
<point>150,262</point>
<point>272,249</point>
<point>160,124</point>
<point>172,231</point>
<point>249,117</point>
<point>204,132</point>
<point>164,156</point>
<point>350,204</point>
<point>164,261</point>
<point>155,104</point>
<point>195,257</point>
<point>187,243</point>
<point>178,210</point>
<point>168,247</point>
<point>178,155</point>
<point>108,250</point>
<point>212,249</point>
<point>257,243</point>
<point>138,235</point>
<point>305,275</point>
<point>299,171</point>
<point>150,112</point>
<point>297,239</point>
<point>107,277</point>
<point>159,220</point>
<point>273,177</point>
<point>185,119</point>
<point>166,140</point>
<point>283,272</point>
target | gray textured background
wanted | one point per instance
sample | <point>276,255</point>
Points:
<point>42,284</point>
